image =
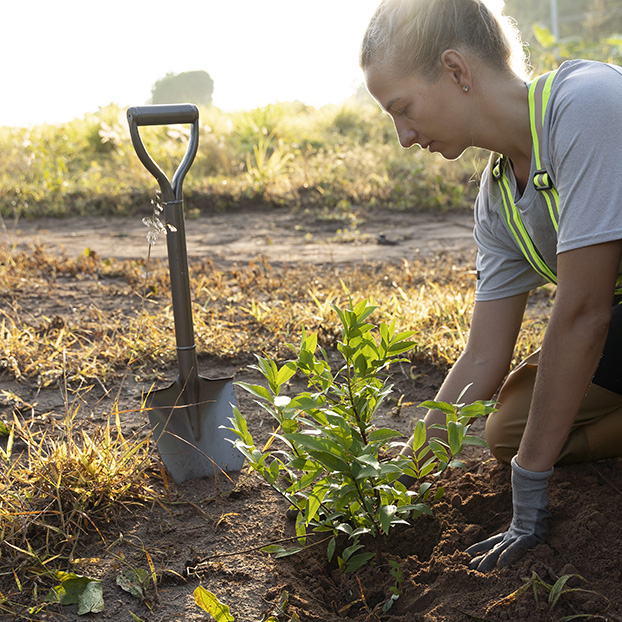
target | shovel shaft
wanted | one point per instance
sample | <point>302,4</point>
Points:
<point>172,201</point>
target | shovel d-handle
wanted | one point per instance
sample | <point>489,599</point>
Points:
<point>165,114</point>
<point>172,201</point>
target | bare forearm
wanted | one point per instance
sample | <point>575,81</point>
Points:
<point>568,360</point>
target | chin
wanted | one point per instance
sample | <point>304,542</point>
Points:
<point>451,154</point>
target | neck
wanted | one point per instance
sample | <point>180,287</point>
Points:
<point>503,119</point>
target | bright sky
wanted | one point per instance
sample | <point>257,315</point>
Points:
<point>61,59</point>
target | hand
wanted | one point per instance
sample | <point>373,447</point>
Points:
<point>528,527</point>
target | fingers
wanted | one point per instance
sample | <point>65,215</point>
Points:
<point>516,550</point>
<point>500,551</point>
<point>485,545</point>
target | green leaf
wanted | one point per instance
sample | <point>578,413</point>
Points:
<point>457,464</point>
<point>474,440</point>
<point>401,347</point>
<point>134,581</point>
<point>348,552</point>
<point>286,372</point>
<point>444,407</point>
<point>307,401</point>
<point>455,434</point>
<point>292,550</point>
<point>75,589</point>
<point>289,425</point>
<point>315,500</point>
<point>477,409</point>
<point>390,603</point>
<point>4,429</point>
<point>438,449</point>
<point>386,515</point>
<point>382,434</point>
<point>558,588</point>
<point>208,602</point>
<point>309,342</point>
<point>273,470</point>
<point>419,435</point>
<point>359,531</point>
<point>358,560</point>
<point>345,527</point>
<point>239,426</point>
<point>322,450</point>
<point>330,549</point>
<point>257,390</point>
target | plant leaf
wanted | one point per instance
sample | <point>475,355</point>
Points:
<point>358,560</point>
<point>315,500</point>
<point>257,390</point>
<point>133,580</point>
<point>75,589</point>
<point>455,434</point>
<point>444,407</point>
<point>386,515</point>
<point>419,435</point>
<point>286,372</point>
<point>383,434</point>
<point>208,602</point>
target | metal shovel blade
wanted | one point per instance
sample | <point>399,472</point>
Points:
<point>190,439</point>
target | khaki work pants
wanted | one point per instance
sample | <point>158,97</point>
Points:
<point>596,433</point>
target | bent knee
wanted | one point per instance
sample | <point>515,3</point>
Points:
<point>503,444</point>
<point>504,431</point>
<point>505,427</point>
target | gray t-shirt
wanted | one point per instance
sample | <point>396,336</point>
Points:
<point>581,149</point>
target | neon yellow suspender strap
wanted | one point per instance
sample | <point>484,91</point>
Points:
<point>539,92</point>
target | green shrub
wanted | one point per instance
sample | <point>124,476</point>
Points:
<point>332,464</point>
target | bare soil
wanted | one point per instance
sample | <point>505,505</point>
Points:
<point>210,532</point>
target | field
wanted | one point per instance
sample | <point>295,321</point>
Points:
<point>86,330</point>
<point>290,210</point>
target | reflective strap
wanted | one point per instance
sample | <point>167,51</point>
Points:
<point>517,228</point>
<point>539,93</point>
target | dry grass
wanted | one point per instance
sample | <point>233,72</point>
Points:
<point>238,311</point>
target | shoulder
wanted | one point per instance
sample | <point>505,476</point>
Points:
<point>582,116</point>
<point>586,85</point>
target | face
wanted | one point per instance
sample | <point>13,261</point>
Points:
<point>429,113</point>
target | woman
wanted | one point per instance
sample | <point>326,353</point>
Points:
<point>550,208</point>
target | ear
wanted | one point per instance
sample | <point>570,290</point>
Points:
<point>456,65</point>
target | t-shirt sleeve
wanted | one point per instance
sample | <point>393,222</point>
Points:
<point>502,270</point>
<point>585,154</point>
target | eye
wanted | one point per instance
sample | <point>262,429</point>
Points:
<point>402,112</point>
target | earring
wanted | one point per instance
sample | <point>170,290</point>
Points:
<point>465,88</point>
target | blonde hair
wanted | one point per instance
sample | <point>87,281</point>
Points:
<point>411,35</point>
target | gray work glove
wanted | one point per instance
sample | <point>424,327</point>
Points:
<point>528,527</point>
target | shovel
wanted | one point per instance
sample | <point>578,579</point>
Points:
<point>186,417</point>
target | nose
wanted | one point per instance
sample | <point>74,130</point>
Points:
<point>406,136</point>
